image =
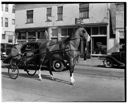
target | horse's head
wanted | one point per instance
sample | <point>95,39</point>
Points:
<point>84,34</point>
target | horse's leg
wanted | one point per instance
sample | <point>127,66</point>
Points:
<point>50,68</point>
<point>39,72</point>
<point>71,69</point>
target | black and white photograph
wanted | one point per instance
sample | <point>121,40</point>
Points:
<point>63,51</point>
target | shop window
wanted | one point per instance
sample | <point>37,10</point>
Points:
<point>60,13</point>
<point>29,16</point>
<point>49,14</point>
<point>99,45</point>
<point>54,32</point>
<point>41,35</point>
<point>3,36</point>
<point>103,30</point>
<point>13,9</point>
<point>6,22</point>
<point>64,32</point>
<point>94,30</point>
<point>31,35</point>
<point>67,31</point>
<point>84,10</point>
<point>22,35</point>
<point>6,7</point>
<point>70,31</point>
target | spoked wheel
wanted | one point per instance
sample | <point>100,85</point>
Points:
<point>107,63</point>
<point>13,71</point>
<point>31,71</point>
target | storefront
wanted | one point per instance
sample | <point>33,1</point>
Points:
<point>98,33</point>
<point>30,34</point>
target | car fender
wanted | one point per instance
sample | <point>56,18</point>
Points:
<point>114,60</point>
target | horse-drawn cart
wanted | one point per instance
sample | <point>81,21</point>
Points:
<point>29,60</point>
<point>57,56</point>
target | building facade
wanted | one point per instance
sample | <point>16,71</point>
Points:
<point>59,21</point>
<point>7,25</point>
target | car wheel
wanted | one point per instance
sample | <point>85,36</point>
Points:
<point>107,63</point>
<point>57,65</point>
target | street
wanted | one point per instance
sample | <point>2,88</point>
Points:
<point>93,83</point>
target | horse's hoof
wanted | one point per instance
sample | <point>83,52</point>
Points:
<point>40,79</point>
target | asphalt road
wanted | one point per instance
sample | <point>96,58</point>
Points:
<point>93,83</point>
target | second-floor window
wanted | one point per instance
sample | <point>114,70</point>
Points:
<point>49,14</point>
<point>13,9</point>
<point>6,7</point>
<point>6,22</point>
<point>29,16</point>
<point>84,10</point>
<point>13,21</point>
<point>2,7</point>
<point>60,13</point>
<point>3,36</point>
<point>2,21</point>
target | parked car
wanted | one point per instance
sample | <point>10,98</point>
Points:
<point>116,58</point>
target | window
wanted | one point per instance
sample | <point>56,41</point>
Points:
<point>54,32</point>
<point>70,31</point>
<point>49,14</point>
<point>30,16</point>
<point>94,30</point>
<point>13,9</point>
<point>60,13</point>
<point>3,36</point>
<point>10,38</point>
<point>67,31</point>
<point>99,45</point>
<point>64,32</point>
<point>22,35</point>
<point>2,7</point>
<point>103,30</point>
<point>6,22</point>
<point>2,21</point>
<point>13,21</point>
<point>84,10</point>
<point>41,35</point>
<point>6,7</point>
<point>31,35</point>
<point>121,34</point>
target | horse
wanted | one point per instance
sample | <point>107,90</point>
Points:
<point>70,45</point>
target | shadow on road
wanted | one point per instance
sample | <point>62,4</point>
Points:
<point>47,77</point>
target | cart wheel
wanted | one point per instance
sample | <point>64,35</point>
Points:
<point>13,71</point>
<point>107,63</point>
